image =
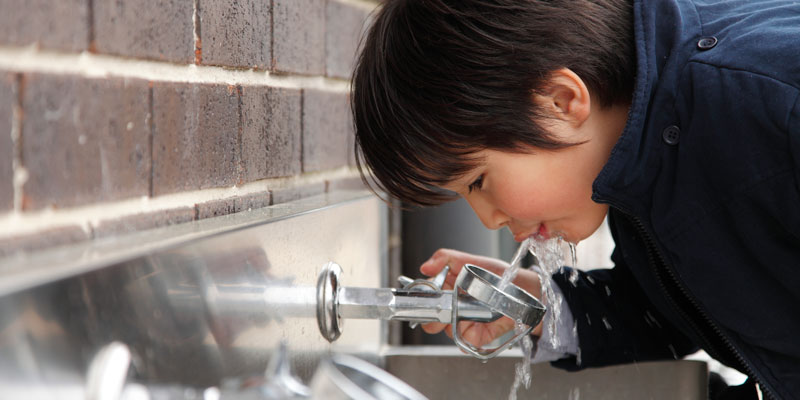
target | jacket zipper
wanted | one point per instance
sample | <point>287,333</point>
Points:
<point>657,260</point>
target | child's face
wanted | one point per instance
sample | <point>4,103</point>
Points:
<point>545,191</point>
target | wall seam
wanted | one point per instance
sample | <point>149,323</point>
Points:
<point>240,159</point>
<point>271,35</point>
<point>91,33</point>
<point>198,42</point>
<point>151,138</point>
<point>302,129</point>
<point>19,173</point>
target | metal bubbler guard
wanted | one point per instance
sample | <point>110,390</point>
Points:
<point>476,297</point>
<point>511,301</point>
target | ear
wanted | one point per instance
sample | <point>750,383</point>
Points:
<point>566,97</point>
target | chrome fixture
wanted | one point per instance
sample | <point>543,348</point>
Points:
<point>477,297</point>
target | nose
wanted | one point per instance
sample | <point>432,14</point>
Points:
<point>490,216</point>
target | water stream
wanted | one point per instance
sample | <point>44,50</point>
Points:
<point>550,257</point>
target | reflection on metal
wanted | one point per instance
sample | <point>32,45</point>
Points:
<point>345,377</point>
<point>477,297</point>
<point>340,377</point>
<point>196,304</point>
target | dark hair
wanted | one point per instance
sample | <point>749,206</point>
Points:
<point>439,80</point>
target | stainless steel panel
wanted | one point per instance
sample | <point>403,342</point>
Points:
<point>196,303</point>
<point>442,372</point>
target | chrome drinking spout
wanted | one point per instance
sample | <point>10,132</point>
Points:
<point>478,296</point>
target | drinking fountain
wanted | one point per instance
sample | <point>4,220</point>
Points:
<point>478,296</point>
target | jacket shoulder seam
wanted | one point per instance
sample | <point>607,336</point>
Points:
<point>760,74</point>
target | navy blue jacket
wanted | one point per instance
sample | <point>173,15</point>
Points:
<point>704,190</point>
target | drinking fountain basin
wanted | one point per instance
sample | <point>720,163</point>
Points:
<point>444,372</point>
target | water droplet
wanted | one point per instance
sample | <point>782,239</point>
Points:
<point>606,323</point>
<point>674,353</point>
<point>608,291</point>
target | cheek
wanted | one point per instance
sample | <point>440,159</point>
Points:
<point>553,200</point>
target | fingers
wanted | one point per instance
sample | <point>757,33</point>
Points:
<point>434,327</point>
<point>456,259</point>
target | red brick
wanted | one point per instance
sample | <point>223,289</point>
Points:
<point>345,24</point>
<point>143,221</point>
<point>61,24</point>
<point>196,136</point>
<point>8,100</point>
<point>286,195</point>
<point>84,140</point>
<point>235,33</point>
<point>299,36</point>
<point>326,126</point>
<point>153,29</point>
<point>271,132</point>
<point>53,237</point>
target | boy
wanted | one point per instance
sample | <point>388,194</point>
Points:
<point>679,120</point>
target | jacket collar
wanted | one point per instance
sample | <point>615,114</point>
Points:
<point>663,32</point>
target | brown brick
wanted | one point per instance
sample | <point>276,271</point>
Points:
<point>144,221</point>
<point>8,100</point>
<point>196,136</point>
<point>215,208</point>
<point>84,140</point>
<point>354,183</point>
<point>271,133</point>
<point>345,24</point>
<point>286,195</point>
<point>299,36</point>
<point>326,125</point>
<point>61,24</point>
<point>235,33</point>
<point>252,201</point>
<point>154,29</point>
<point>54,237</point>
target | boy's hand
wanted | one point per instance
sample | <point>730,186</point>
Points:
<point>477,333</point>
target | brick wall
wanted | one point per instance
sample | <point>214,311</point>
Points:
<point>118,116</point>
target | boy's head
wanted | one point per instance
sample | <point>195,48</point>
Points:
<point>441,82</point>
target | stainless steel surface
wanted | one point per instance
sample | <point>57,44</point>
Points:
<point>403,305</point>
<point>487,289</point>
<point>344,377</point>
<point>195,303</point>
<point>418,301</point>
<point>433,285</point>
<point>443,372</point>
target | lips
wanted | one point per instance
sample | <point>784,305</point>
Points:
<point>542,231</point>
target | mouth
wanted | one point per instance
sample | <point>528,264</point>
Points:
<point>541,232</point>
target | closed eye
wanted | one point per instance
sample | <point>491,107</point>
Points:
<point>476,184</point>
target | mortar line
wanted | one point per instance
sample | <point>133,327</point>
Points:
<point>198,43</point>
<point>271,35</point>
<point>151,139</point>
<point>30,59</point>
<point>19,173</point>
<point>302,129</point>
<point>90,11</point>
<point>240,162</point>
